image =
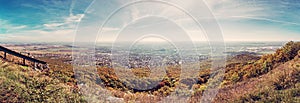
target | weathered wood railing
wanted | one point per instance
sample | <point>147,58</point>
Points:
<point>24,57</point>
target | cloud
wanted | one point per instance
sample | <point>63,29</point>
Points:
<point>59,18</point>
<point>66,35</point>
<point>227,8</point>
<point>18,27</point>
<point>51,25</point>
<point>266,19</point>
<point>71,7</point>
<point>42,20</point>
<point>57,32</point>
<point>69,22</point>
<point>74,18</point>
<point>58,14</point>
<point>10,27</point>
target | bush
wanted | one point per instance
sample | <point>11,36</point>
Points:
<point>287,79</point>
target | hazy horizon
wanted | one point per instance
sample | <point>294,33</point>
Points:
<point>71,42</point>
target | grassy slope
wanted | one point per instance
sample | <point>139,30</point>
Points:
<point>280,84</point>
<point>23,84</point>
<point>272,78</point>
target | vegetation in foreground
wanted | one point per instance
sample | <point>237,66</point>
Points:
<point>248,78</point>
<point>24,84</point>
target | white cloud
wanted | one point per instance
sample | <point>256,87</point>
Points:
<point>266,19</point>
<point>74,18</point>
<point>244,32</point>
<point>69,22</point>
<point>18,27</point>
<point>9,27</point>
<point>229,11</point>
<point>225,9</point>
<point>50,33</point>
<point>51,25</point>
<point>71,7</point>
<point>41,36</point>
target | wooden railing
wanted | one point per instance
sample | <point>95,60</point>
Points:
<point>24,57</point>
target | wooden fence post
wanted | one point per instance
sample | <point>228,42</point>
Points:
<point>35,65</point>
<point>4,55</point>
<point>23,61</point>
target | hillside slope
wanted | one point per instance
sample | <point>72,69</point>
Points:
<point>280,84</point>
<point>24,84</point>
<point>272,78</point>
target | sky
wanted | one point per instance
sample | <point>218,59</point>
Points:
<point>58,20</point>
